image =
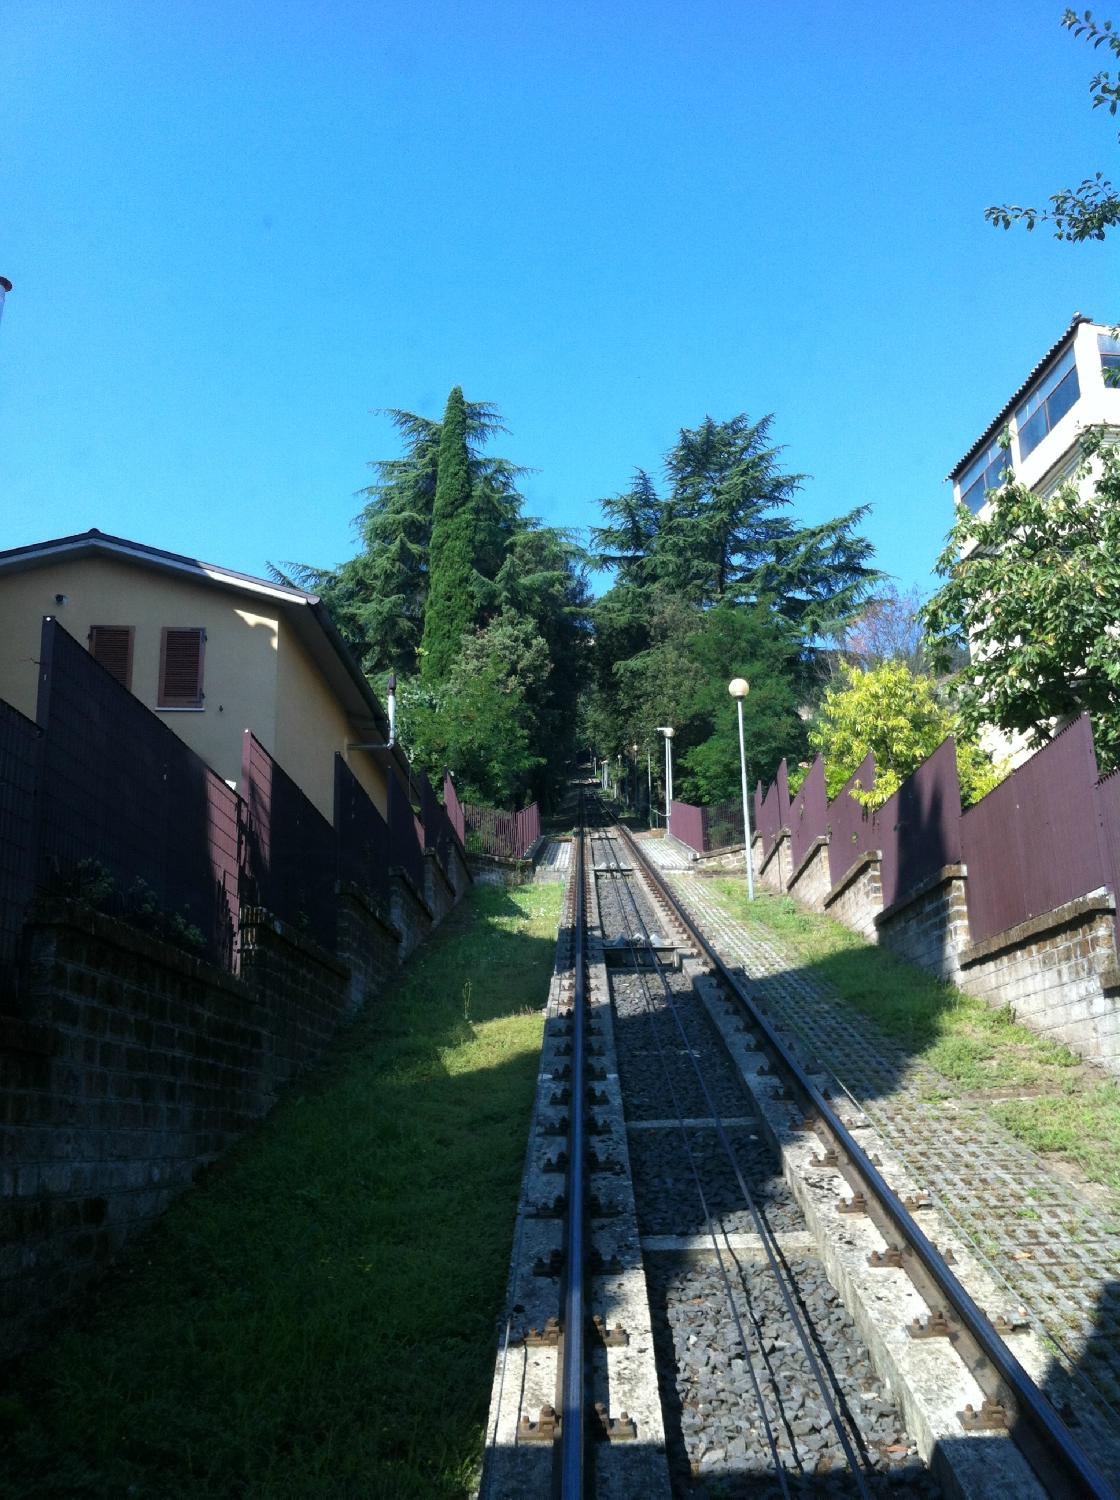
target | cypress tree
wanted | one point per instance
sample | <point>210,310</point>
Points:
<point>452,606</point>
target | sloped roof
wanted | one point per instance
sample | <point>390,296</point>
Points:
<point>306,612</point>
<point>998,423</point>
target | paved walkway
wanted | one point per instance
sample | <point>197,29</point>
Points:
<point>554,861</point>
<point>1056,1252</point>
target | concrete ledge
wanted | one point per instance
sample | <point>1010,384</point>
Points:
<point>61,912</point>
<point>1024,932</point>
<point>253,917</point>
<point>349,891</point>
<point>822,841</point>
<point>852,874</point>
<point>923,888</point>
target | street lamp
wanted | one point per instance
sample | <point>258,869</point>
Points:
<point>668,733</point>
<point>739,687</point>
<point>5,288</point>
<point>634,775</point>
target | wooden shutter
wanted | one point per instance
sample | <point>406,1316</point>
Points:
<point>180,667</point>
<point>111,645</point>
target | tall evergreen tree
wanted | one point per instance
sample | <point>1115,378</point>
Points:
<point>452,607</point>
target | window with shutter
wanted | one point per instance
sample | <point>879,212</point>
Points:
<point>111,645</point>
<point>180,667</point>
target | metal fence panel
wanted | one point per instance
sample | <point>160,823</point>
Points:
<point>454,808</point>
<point>855,831</point>
<point>363,834</point>
<point>121,792</point>
<point>722,825</point>
<point>19,767</point>
<point>406,848</point>
<point>808,813</point>
<point>920,826</point>
<point>773,809</point>
<point>687,824</point>
<point>1034,843</point>
<point>500,834</point>
<point>290,850</point>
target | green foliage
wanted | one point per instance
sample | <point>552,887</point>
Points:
<point>1087,211</point>
<point>898,716</point>
<point>456,547</point>
<point>93,884</point>
<point>1035,587</point>
<point>477,721</point>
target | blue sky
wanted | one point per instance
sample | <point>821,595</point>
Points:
<point>236,230</point>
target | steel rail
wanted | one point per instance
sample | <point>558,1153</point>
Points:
<point>573,1415</point>
<point>785,1282</point>
<point>1045,1434</point>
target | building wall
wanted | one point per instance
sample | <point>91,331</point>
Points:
<point>239,668</point>
<point>311,724</point>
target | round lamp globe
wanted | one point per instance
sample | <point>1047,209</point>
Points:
<point>738,687</point>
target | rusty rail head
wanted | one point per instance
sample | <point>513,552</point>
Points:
<point>573,1375</point>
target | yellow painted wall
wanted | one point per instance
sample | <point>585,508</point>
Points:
<point>240,666</point>
<point>256,674</point>
<point>311,725</point>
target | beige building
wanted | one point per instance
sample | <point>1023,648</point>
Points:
<point>211,651</point>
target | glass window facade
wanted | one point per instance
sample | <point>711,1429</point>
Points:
<point>1047,404</point>
<point>1109,346</point>
<point>984,473</point>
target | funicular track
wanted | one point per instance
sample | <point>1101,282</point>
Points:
<point>774,1315</point>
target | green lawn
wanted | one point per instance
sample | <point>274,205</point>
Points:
<point>317,1318</point>
<point>1072,1110</point>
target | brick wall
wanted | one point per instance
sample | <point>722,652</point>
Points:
<point>772,872</point>
<point>810,882</point>
<point>857,897</point>
<point>929,927</point>
<point>131,1065</point>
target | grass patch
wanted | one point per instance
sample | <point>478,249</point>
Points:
<point>976,1049</point>
<point>317,1317</point>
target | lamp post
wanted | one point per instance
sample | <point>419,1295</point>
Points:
<point>668,733</point>
<point>634,775</point>
<point>5,288</point>
<point>739,687</point>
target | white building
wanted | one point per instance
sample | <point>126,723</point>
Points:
<point>1064,394</point>
<point>1037,434</point>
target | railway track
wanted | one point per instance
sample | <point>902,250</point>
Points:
<point>725,1297</point>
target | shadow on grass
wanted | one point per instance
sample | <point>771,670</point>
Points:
<point>317,1316</point>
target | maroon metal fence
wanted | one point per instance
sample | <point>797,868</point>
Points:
<point>772,810</point>
<point>363,834</point>
<point>406,837</point>
<point>123,802</point>
<point>19,765</point>
<point>687,824</point>
<point>290,852</point>
<point>502,835</point>
<point>808,813</point>
<point>1034,843</point>
<point>454,808</point>
<point>855,831</point>
<point>920,826</point>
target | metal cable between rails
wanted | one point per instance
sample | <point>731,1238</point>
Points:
<point>765,1232</point>
<point>1036,1414</point>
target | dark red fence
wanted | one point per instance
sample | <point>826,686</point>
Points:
<point>363,834</point>
<point>920,826</point>
<point>19,764</point>
<point>406,836</point>
<point>708,829</point>
<point>454,809</point>
<point>122,801</point>
<point>855,831</point>
<point>772,810</point>
<point>502,835</point>
<point>808,813</point>
<point>290,854</point>
<point>1034,842</point>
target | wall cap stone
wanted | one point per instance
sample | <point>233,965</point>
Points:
<point>253,917</point>
<point>821,841</point>
<point>923,888</point>
<point>783,833</point>
<point>868,858</point>
<point>1061,916</point>
<point>349,890</point>
<point>431,855</point>
<point>60,911</point>
<point>407,883</point>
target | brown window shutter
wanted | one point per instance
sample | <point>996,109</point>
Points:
<point>111,645</point>
<point>180,667</point>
